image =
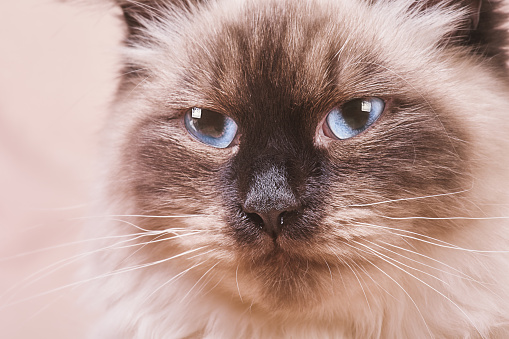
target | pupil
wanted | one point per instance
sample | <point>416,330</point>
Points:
<point>210,123</point>
<point>354,115</point>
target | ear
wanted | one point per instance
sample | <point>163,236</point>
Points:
<point>474,7</point>
<point>486,32</point>
<point>138,12</point>
<point>482,28</point>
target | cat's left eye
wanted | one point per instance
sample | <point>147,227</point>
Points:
<point>211,128</point>
<point>353,117</point>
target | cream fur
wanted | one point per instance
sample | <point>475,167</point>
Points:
<point>462,290</point>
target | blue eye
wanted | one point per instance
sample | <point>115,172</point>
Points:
<point>353,117</point>
<point>211,128</point>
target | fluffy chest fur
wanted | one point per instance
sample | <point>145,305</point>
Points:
<point>292,230</point>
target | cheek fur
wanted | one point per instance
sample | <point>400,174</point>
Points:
<point>156,156</point>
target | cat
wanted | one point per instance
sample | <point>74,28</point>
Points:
<point>306,169</point>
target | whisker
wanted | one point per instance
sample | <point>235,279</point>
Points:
<point>120,76</point>
<point>337,56</point>
<point>151,9</point>
<point>172,279</point>
<point>412,198</point>
<point>444,218</point>
<point>146,216</point>
<point>143,245</point>
<point>370,277</point>
<point>64,208</point>
<point>41,310</point>
<point>406,231</point>
<point>360,284</point>
<point>205,283</point>
<point>399,285</point>
<point>73,243</point>
<point>52,268</point>
<point>362,278</point>
<point>44,272</point>
<point>120,220</point>
<point>402,264</point>
<point>462,276</point>
<point>237,281</point>
<point>198,255</point>
<point>340,275</point>
<point>106,275</point>
<point>215,285</point>
<point>197,282</point>
<point>421,263</point>
<point>356,277</point>
<point>140,83</point>
<point>376,253</point>
<point>115,218</point>
<point>447,245</point>
<point>330,272</point>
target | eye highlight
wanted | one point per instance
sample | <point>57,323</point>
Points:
<point>353,117</point>
<point>211,128</point>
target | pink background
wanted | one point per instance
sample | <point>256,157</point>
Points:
<point>57,74</point>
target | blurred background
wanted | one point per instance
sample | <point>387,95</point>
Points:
<point>58,69</point>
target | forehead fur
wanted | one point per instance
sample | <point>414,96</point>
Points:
<point>180,33</point>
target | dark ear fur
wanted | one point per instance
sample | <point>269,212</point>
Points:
<point>137,11</point>
<point>490,37</point>
<point>482,29</point>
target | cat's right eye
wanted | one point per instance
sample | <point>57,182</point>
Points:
<point>211,128</point>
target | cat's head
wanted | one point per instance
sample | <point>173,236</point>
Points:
<point>293,135</point>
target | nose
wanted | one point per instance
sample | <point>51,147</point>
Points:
<point>271,221</point>
<point>270,201</point>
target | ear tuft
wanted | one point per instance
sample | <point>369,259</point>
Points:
<point>138,12</point>
<point>482,29</point>
<point>488,35</point>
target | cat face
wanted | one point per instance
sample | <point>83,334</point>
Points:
<point>297,188</point>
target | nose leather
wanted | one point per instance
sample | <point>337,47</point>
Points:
<point>269,198</point>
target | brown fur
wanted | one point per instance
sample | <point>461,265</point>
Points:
<point>368,207</point>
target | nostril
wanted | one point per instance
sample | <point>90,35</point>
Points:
<point>271,222</point>
<point>281,218</point>
<point>288,217</point>
<point>256,219</point>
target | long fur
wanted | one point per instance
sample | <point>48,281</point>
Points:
<point>407,233</point>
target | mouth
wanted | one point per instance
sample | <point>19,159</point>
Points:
<point>268,250</point>
<point>284,280</point>
<point>281,255</point>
